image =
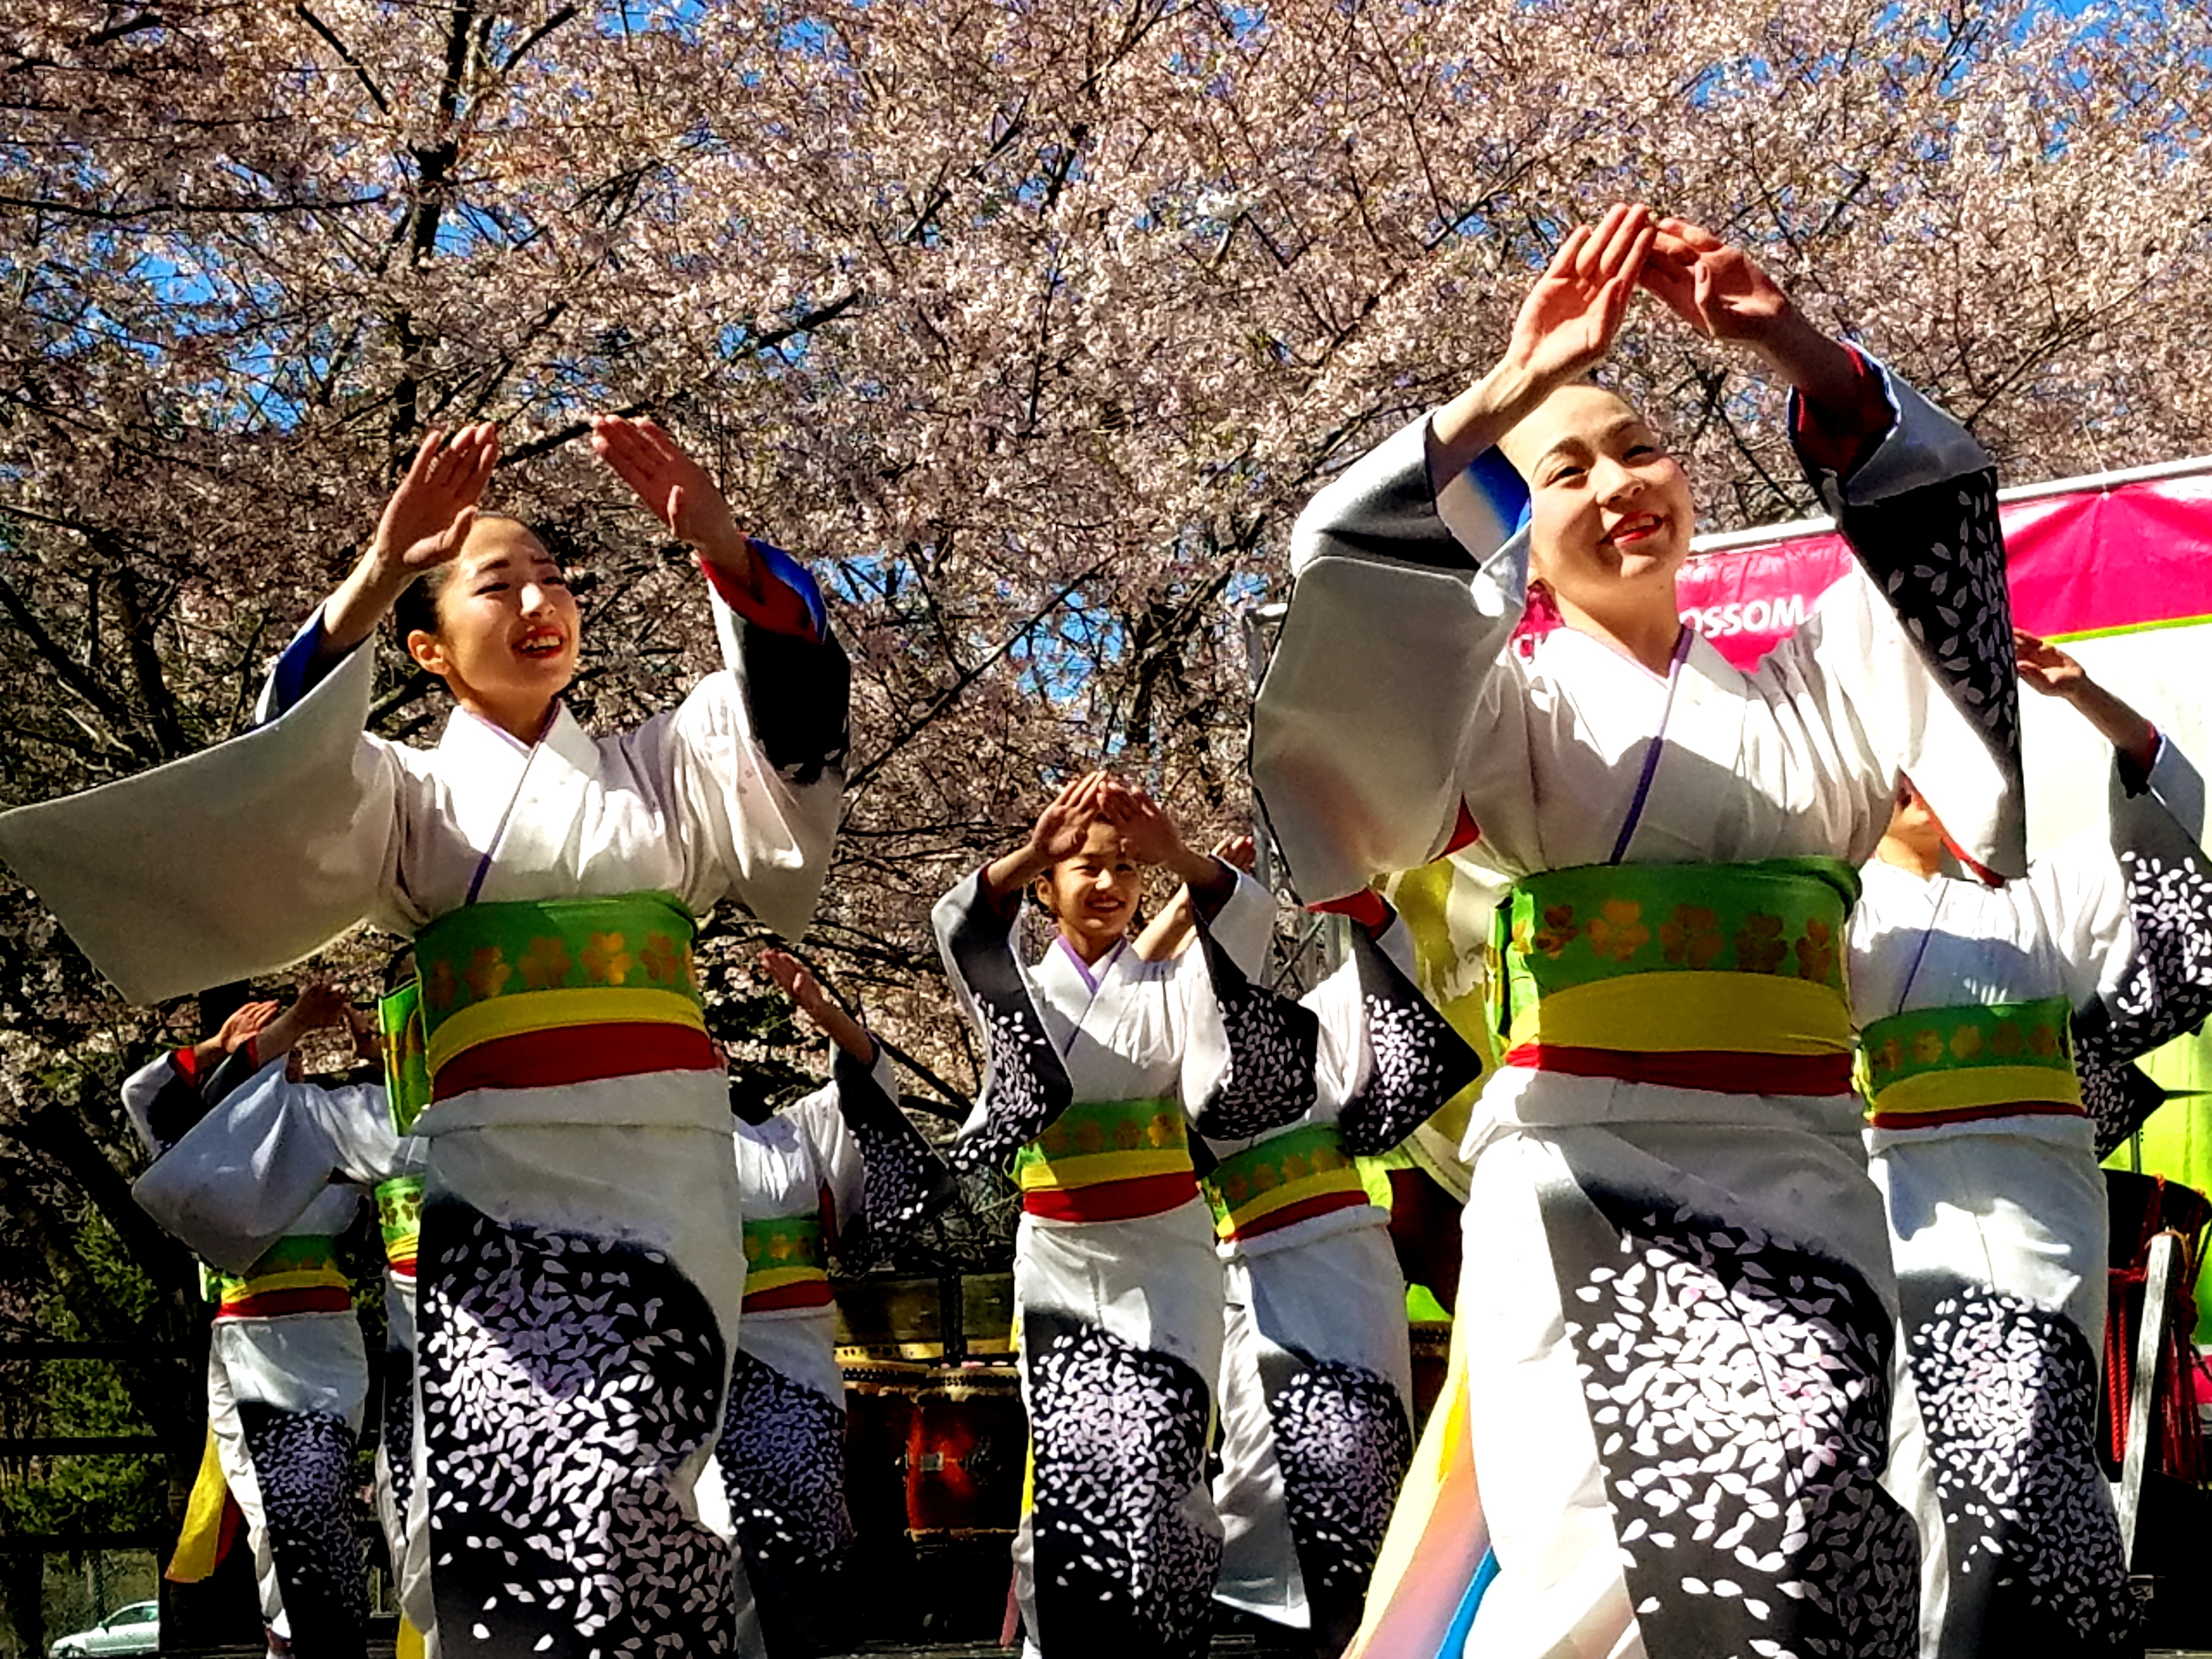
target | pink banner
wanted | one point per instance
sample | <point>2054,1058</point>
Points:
<point>2096,561</point>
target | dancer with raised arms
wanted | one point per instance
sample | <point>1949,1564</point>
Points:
<point>1998,1030</point>
<point>578,1278</point>
<point>1675,1395</point>
<point>1101,1063</point>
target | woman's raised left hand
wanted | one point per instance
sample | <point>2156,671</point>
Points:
<point>674,488</point>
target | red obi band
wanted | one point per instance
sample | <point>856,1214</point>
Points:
<point>576,1054</point>
<point>1114,1200</point>
<point>1725,1070</point>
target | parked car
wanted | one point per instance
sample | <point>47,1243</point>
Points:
<point>133,1629</point>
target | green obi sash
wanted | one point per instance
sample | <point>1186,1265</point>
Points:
<point>784,1263</point>
<point>1727,976</point>
<point>298,1274</point>
<point>539,993</point>
<point>1955,1065</point>
<point>1108,1160</point>
<point>400,1218</point>
<point>406,1055</point>
<point>1305,1172</point>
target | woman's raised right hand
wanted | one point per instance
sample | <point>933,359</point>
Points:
<point>1062,827</point>
<point>428,516</point>
<point>1567,324</point>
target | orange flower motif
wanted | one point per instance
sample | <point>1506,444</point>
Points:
<point>487,972</point>
<point>1692,937</point>
<point>1265,1179</point>
<point>1560,930</point>
<point>2043,1043</point>
<point>1128,1136</point>
<point>1966,1042</point>
<point>752,1248</point>
<point>1893,1055</point>
<point>1235,1190</point>
<point>1089,1137</point>
<point>1326,1158</point>
<point>1928,1047</point>
<point>1161,1131</point>
<point>1617,932</point>
<point>443,984</point>
<point>663,963</point>
<point>1759,944</point>
<point>605,961</point>
<point>1296,1168</point>
<point>545,963</point>
<point>2005,1040</point>
<point>1816,953</point>
<point>1057,1141</point>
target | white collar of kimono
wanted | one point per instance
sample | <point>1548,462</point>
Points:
<point>1094,974</point>
<point>1570,639</point>
<point>472,740</point>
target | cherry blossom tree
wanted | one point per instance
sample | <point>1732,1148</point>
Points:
<point>1031,325</point>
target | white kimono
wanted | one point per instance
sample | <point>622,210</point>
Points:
<point>1118,1321</point>
<point>1635,1474</point>
<point>287,1372</point>
<point>577,1266</point>
<point>1997,1208</point>
<point>781,1458</point>
<point>1317,1384</point>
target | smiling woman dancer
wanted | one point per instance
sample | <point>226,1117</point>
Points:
<point>1098,1059</point>
<point>579,1281</point>
<point>1674,1393</point>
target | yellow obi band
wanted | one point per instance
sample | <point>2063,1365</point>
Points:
<point>1955,1064</point>
<point>400,1217</point>
<point>1108,1161</point>
<point>1300,1173</point>
<point>299,1274</point>
<point>1719,976</point>
<point>541,994</point>
<point>785,1265</point>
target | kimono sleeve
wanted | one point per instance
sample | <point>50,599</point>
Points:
<point>1392,703</point>
<point>1389,1058</point>
<point>1025,1084</point>
<point>163,1101</point>
<point>1912,654</point>
<point>751,764</point>
<point>239,861</point>
<point>883,1178</point>
<point>2154,978</point>
<point>235,1184</point>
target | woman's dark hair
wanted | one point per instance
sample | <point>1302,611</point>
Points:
<point>399,969</point>
<point>415,610</point>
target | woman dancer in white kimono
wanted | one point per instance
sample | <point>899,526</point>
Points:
<point>1675,1380</point>
<point>281,1144</point>
<point>287,1372</point>
<point>1316,1374</point>
<point>1098,1060</point>
<point>1977,1004</point>
<point>841,1171</point>
<point>579,1282</point>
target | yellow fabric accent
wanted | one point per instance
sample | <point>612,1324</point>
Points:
<point>1675,1012</point>
<point>407,1644</point>
<point>1437,1537</point>
<point>1967,1088</point>
<point>312,1278</point>
<point>1095,1169</point>
<point>774,1279</point>
<point>530,1012</point>
<point>201,1534</point>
